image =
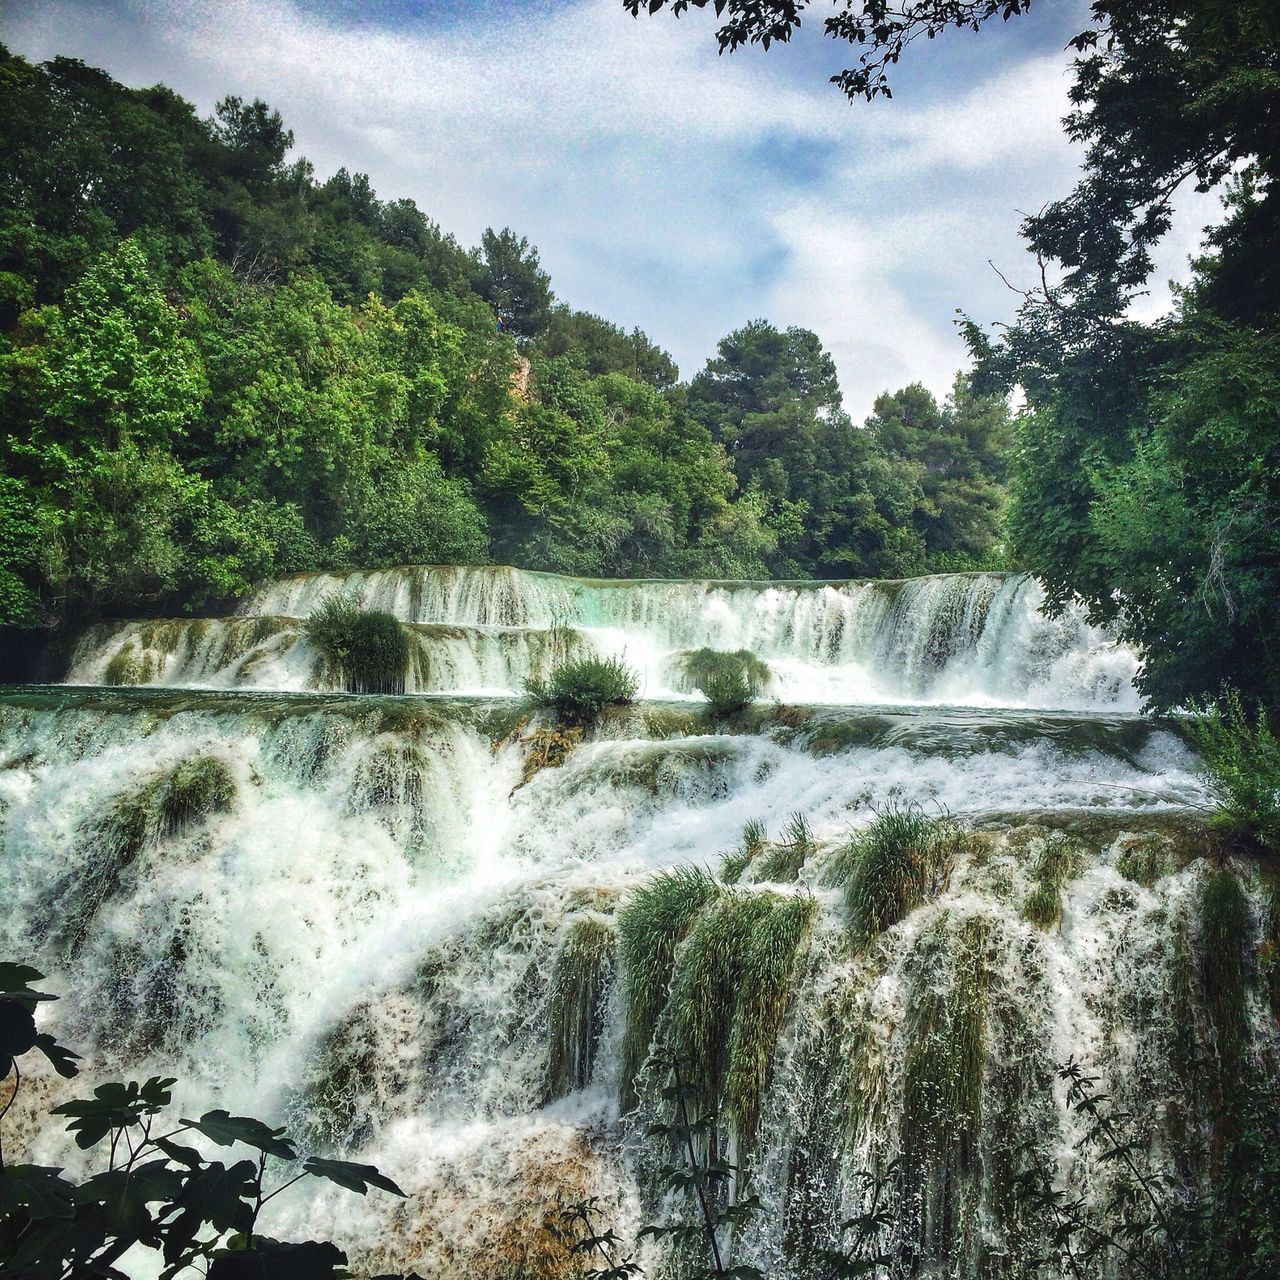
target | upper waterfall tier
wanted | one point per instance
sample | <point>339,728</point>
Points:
<point>957,639</point>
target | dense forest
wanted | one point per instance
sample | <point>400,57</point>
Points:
<point>215,368</point>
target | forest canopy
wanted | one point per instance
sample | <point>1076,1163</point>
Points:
<point>215,368</point>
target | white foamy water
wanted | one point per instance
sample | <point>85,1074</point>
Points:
<point>960,639</point>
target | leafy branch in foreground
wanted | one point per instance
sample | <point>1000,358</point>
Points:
<point>154,1193</point>
<point>701,1176</point>
<point>573,1226</point>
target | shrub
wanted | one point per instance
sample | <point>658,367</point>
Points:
<point>580,690</point>
<point>1241,768</point>
<point>367,651</point>
<point>730,681</point>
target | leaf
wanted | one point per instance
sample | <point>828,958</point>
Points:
<point>15,984</point>
<point>226,1130</point>
<point>125,1193</point>
<point>17,1032</point>
<point>179,1154</point>
<point>62,1059</point>
<point>42,1191</point>
<point>355,1177</point>
<point>113,1106</point>
<point>274,1260</point>
<point>217,1195</point>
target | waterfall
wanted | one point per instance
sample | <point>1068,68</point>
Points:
<point>957,639</point>
<point>400,927</point>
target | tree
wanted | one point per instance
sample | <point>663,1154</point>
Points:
<point>509,277</point>
<point>881,28</point>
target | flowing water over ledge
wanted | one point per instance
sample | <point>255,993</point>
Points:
<point>969,639</point>
<point>372,918</point>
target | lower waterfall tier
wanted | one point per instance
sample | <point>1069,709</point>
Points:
<point>400,926</point>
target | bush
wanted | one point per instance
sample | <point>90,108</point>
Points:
<point>1241,769</point>
<point>580,690</point>
<point>367,651</point>
<point>730,681</point>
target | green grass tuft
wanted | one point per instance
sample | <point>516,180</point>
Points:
<point>782,862</point>
<point>366,651</point>
<point>197,788</point>
<point>651,926</point>
<point>1058,864</point>
<point>579,690</point>
<point>944,1078</point>
<point>1224,929</point>
<point>733,981</point>
<point>580,982</point>
<point>890,868</point>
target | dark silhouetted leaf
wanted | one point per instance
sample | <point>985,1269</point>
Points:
<point>226,1130</point>
<point>43,1192</point>
<point>274,1260</point>
<point>355,1177</point>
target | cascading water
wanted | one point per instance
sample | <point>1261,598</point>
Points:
<point>963,639</point>
<point>368,917</point>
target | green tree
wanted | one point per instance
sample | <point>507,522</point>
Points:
<point>509,277</point>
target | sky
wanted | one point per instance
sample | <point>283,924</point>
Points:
<point>664,186</point>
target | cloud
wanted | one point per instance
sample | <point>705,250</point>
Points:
<point>664,186</point>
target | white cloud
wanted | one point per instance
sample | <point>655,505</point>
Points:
<point>632,156</point>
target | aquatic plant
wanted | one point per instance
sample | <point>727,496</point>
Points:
<point>733,981</point>
<point>578,691</point>
<point>890,868</point>
<point>782,861</point>
<point>651,926</point>
<point>1059,862</point>
<point>580,981</point>
<point>701,666</point>
<point>198,787</point>
<point>109,840</point>
<point>753,842</point>
<point>1224,928</point>
<point>1241,770</point>
<point>944,1072</point>
<point>367,651</point>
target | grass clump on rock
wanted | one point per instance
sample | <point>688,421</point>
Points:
<point>579,690</point>
<point>1058,864</point>
<point>730,681</point>
<point>890,868</point>
<point>580,983</point>
<point>650,928</point>
<point>730,994</point>
<point>366,651</point>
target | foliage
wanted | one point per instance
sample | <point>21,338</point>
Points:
<point>888,869</point>
<point>154,1193</point>
<point>653,923</point>
<point>216,369</point>
<point>367,650</point>
<point>730,681</point>
<point>702,1178</point>
<point>580,689</point>
<point>880,29</point>
<point>1240,756</point>
<point>1151,1226</point>
<point>580,982</point>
